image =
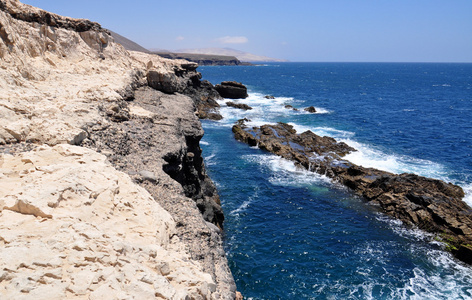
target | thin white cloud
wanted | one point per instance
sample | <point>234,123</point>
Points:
<point>233,40</point>
<point>179,38</point>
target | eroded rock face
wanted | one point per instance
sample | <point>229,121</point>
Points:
<point>52,78</point>
<point>232,90</point>
<point>429,204</point>
<point>159,147</point>
<point>82,229</point>
<point>180,76</point>
<point>204,95</point>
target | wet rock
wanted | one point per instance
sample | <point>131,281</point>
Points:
<point>238,105</point>
<point>290,107</point>
<point>269,97</point>
<point>232,90</point>
<point>310,109</point>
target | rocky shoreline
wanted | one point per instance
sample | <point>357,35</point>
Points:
<point>429,204</point>
<point>109,140</point>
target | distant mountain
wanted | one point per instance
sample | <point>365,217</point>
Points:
<point>127,43</point>
<point>242,56</point>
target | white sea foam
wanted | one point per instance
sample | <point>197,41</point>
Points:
<point>245,204</point>
<point>368,156</point>
<point>263,110</point>
<point>204,143</point>
<point>242,207</point>
<point>468,193</point>
<point>452,281</point>
<point>210,160</point>
<point>323,131</point>
<point>319,110</point>
<point>285,173</point>
<point>426,285</point>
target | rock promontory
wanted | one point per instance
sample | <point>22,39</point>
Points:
<point>429,204</point>
<point>103,189</point>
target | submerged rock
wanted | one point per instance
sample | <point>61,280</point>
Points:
<point>430,204</point>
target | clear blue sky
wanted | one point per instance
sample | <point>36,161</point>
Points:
<point>309,30</point>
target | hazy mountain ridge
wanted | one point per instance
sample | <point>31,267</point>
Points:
<point>241,55</point>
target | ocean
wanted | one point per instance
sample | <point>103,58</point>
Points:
<point>292,234</point>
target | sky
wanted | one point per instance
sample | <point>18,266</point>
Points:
<point>296,30</point>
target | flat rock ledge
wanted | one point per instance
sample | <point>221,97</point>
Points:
<point>429,204</point>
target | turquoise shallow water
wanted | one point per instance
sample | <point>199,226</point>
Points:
<point>294,235</point>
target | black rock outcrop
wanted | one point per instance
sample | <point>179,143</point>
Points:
<point>232,90</point>
<point>310,109</point>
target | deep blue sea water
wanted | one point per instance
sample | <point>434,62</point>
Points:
<point>291,234</point>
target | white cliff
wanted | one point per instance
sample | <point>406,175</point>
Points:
<point>71,224</point>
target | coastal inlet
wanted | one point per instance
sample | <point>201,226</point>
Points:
<point>296,234</point>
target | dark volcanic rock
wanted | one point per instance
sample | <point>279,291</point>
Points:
<point>238,105</point>
<point>290,107</point>
<point>269,97</point>
<point>204,95</point>
<point>429,204</point>
<point>310,109</point>
<point>232,90</point>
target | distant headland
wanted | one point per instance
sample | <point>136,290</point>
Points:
<point>203,56</point>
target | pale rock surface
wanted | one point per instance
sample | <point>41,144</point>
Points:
<point>71,225</point>
<point>52,83</point>
<point>80,229</point>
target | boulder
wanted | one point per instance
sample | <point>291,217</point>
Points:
<point>290,107</point>
<point>232,90</point>
<point>269,97</point>
<point>310,109</point>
